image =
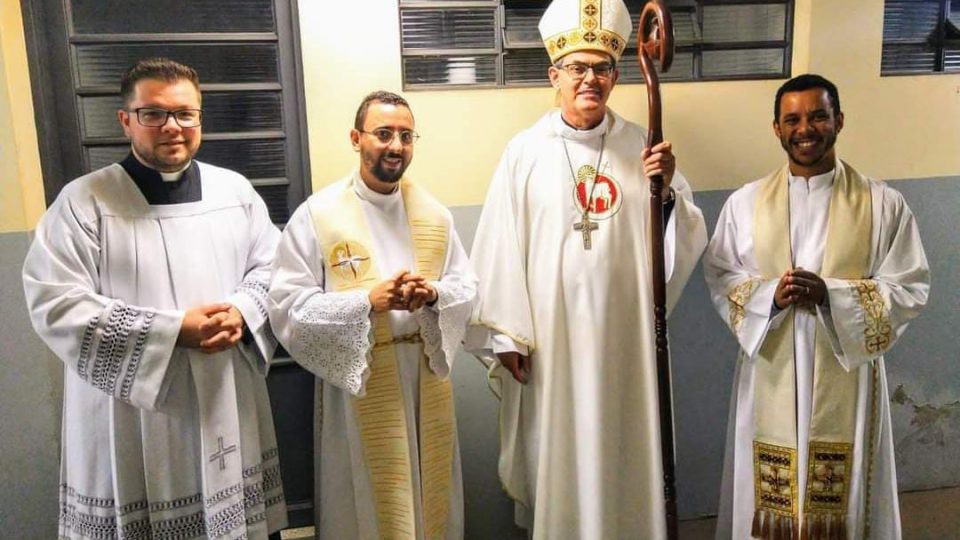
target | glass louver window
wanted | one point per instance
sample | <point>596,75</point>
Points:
<point>920,36</point>
<point>449,43</point>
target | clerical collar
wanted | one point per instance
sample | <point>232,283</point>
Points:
<point>174,176</point>
<point>815,183</point>
<point>156,190</point>
<point>573,134</point>
<point>367,194</point>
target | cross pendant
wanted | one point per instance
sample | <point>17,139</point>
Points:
<point>586,228</point>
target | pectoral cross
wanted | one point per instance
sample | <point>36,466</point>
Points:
<point>586,228</point>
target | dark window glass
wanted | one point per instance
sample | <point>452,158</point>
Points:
<point>920,36</point>
<point>526,66</point>
<point>450,70</point>
<point>952,58</point>
<point>742,62</point>
<point>714,40</point>
<point>908,58</point>
<point>275,196</point>
<point>448,29</point>
<point>729,24</point>
<point>102,65</point>
<point>680,70</point>
<point>171,16</point>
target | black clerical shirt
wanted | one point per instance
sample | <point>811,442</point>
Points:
<point>156,191</point>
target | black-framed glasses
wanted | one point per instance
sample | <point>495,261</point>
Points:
<point>578,70</point>
<point>154,117</point>
<point>386,135</point>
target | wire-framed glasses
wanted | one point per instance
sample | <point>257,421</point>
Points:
<point>578,70</point>
<point>386,135</point>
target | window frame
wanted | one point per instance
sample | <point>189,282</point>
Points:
<point>52,47</point>
<point>940,42</point>
<point>500,50</point>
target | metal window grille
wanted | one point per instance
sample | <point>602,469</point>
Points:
<point>495,43</point>
<point>920,36</point>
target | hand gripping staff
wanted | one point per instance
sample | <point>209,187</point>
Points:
<point>655,40</point>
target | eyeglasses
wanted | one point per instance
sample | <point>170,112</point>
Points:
<point>577,70</point>
<point>385,136</point>
<point>153,117</point>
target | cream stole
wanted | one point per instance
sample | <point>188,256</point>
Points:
<point>833,420</point>
<point>349,262</point>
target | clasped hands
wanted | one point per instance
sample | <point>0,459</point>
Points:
<point>402,292</point>
<point>800,287</point>
<point>211,328</point>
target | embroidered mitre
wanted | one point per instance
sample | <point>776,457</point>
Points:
<point>585,25</point>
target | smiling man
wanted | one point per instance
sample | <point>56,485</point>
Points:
<point>817,270</point>
<point>371,293</point>
<point>148,279</point>
<point>565,310</point>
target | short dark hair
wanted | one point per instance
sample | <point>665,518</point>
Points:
<point>806,82</point>
<point>380,96</point>
<point>161,69</point>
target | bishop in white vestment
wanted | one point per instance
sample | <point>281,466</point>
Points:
<point>388,460</point>
<point>564,259</point>
<point>809,443</point>
<point>163,437</point>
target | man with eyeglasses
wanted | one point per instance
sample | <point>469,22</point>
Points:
<point>372,292</point>
<point>148,278</point>
<point>565,314</point>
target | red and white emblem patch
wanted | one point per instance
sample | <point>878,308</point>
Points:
<point>605,196</point>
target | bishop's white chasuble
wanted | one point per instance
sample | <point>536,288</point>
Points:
<point>580,442</point>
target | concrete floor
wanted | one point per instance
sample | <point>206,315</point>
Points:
<point>924,515</point>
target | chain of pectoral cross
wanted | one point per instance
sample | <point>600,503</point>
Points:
<point>585,227</point>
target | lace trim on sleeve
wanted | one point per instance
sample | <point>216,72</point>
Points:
<point>331,338</point>
<point>109,347</point>
<point>257,292</point>
<point>443,330</point>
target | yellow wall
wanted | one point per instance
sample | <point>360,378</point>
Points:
<point>21,184</point>
<point>896,127</point>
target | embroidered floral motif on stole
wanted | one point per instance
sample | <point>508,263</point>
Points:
<point>738,298</point>
<point>775,491</point>
<point>775,468</point>
<point>828,477</point>
<point>828,487</point>
<point>876,335</point>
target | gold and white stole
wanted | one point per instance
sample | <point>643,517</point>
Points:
<point>833,419</point>
<point>349,261</point>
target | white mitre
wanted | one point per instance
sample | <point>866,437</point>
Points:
<point>585,25</point>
